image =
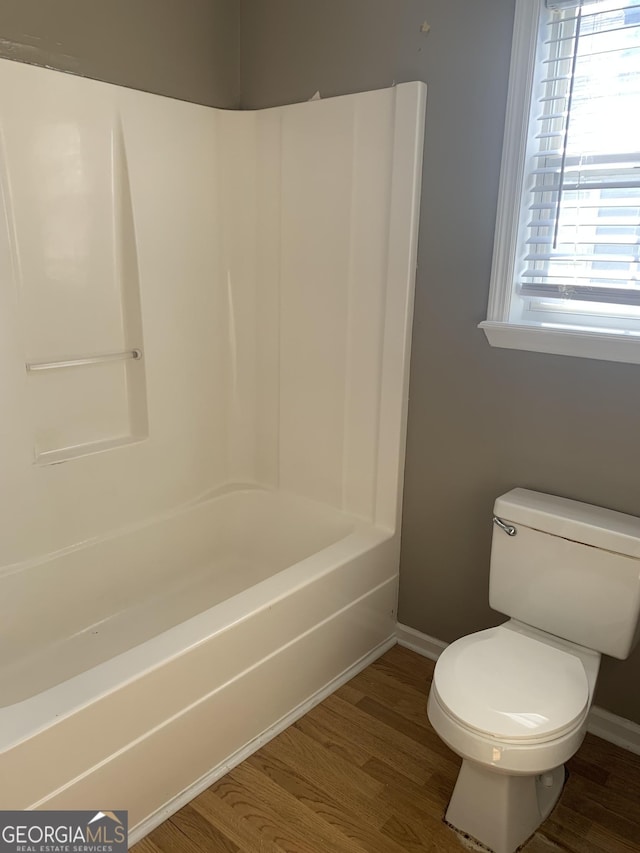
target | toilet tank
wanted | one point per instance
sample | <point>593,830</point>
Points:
<point>570,569</point>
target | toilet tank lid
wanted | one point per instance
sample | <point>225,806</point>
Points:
<point>579,522</point>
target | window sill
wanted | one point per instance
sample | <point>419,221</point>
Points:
<point>584,344</point>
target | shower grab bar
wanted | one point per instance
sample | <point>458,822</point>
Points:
<point>135,354</point>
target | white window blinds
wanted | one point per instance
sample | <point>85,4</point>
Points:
<point>580,235</point>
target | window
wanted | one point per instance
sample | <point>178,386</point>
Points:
<point>566,267</point>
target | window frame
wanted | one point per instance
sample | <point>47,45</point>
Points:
<point>524,86</point>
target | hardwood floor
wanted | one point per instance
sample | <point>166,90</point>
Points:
<point>364,771</point>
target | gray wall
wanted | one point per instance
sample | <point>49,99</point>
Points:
<point>187,49</point>
<point>481,420</point>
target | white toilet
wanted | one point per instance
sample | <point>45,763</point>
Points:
<point>513,701</point>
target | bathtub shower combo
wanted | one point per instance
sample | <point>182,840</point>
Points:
<point>204,330</point>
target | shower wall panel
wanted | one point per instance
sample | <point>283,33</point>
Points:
<point>108,242</point>
<point>332,188</point>
<point>68,203</point>
<point>261,263</point>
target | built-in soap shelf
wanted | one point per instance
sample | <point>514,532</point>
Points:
<point>87,405</point>
<point>104,414</point>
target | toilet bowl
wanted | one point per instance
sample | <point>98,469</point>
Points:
<point>513,701</point>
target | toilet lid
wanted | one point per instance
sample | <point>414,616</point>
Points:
<point>511,686</point>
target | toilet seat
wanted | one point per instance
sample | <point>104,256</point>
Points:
<point>506,685</point>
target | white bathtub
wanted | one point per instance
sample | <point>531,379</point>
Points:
<point>174,645</point>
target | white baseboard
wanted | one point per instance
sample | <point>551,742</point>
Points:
<point>177,802</point>
<point>418,642</point>
<point>608,726</point>
<point>604,724</point>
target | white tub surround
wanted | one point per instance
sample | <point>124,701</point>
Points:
<point>204,335</point>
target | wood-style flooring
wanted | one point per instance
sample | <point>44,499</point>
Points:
<point>364,771</point>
